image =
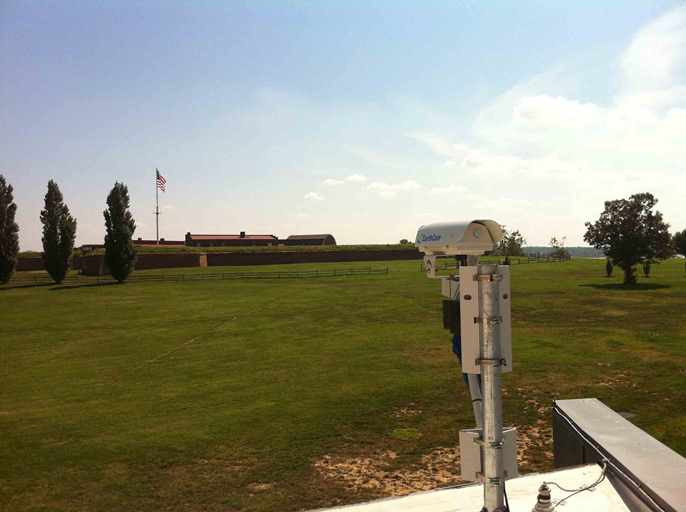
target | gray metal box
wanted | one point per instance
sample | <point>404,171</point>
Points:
<point>471,454</point>
<point>470,312</point>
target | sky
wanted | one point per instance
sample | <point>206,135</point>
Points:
<point>360,119</point>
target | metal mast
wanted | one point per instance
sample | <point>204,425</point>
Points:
<point>490,362</point>
<point>157,209</point>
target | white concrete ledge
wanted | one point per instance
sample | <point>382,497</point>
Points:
<point>522,493</point>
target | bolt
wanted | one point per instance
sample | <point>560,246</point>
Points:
<point>543,502</point>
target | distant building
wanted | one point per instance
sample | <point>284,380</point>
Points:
<point>310,240</point>
<point>241,239</point>
<point>141,241</point>
<point>205,240</point>
<point>91,247</point>
<point>138,241</point>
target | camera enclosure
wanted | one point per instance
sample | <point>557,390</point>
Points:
<point>470,238</point>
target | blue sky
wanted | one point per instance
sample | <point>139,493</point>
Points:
<point>360,120</point>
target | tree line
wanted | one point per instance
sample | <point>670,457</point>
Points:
<point>629,232</point>
<point>512,244</point>
<point>59,233</point>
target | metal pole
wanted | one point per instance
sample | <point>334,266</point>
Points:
<point>157,210</point>
<point>491,360</point>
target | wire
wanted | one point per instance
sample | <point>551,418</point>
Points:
<point>574,492</point>
<point>616,469</point>
<point>507,503</point>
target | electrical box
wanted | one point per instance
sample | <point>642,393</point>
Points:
<point>451,316</point>
<point>471,459</point>
<point>470,313</point>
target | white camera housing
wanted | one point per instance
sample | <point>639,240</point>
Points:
<point>471,238</point>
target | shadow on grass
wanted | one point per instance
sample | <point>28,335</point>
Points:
<point>83,285</point>
<point>15,286</point>
<point>627,287</point>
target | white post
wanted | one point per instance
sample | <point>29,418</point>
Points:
<point>490,362</point>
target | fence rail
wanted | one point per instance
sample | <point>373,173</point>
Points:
<point>513,260</point>
<point>44,279</point>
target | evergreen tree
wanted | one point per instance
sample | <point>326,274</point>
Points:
<point>59,232</point>
<point>120,254</point>
<point>9,232</point>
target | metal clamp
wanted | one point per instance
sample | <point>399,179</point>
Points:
<point>488,277</point>
<point>495,362</point>
<point>491,319</point>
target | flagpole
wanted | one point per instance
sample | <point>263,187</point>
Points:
<point>157,209</point>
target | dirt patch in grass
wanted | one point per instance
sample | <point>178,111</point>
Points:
<point>534,447</point>
<point>257,487</point>
<point>410,411</point>
<point>535,441</point>
<point>382,473</point>
<point>617,380</point>
<point>375,472</point>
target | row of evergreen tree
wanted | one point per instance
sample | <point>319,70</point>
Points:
<point>59,233</point>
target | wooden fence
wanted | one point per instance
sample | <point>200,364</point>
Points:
<point>43,279</point>
<point>514,260</point>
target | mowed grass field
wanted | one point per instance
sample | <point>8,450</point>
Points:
<point>264,394</point>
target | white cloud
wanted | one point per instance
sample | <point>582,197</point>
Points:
<point>544,159</point>
<point>544,155</point>
<point>313,196</point>
<point>449,189</point>
<point>356,178</point>
<point>391,189</point>
<point>332,182</point>
<point>657,53</point>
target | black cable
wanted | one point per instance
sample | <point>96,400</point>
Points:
<point>618,470</point>
<point>507,503</point>
<point>574,492</point>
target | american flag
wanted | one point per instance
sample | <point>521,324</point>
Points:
<point>161,182</point>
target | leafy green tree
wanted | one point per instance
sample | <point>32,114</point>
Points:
<point>59,232</point>
<point>120,254</point>
<point>680,242</point>
<point>512,244</point>
<point>9,232</point>
<point>630,233</point>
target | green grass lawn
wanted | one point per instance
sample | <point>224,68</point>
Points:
<point>228,395</point>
